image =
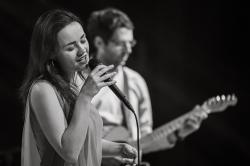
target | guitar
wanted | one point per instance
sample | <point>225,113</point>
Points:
<point>156,140</point>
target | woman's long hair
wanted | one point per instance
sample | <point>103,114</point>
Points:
<point>43,49</point>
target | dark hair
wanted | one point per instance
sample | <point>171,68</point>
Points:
<point>43,48</point>
<point>104,22</point>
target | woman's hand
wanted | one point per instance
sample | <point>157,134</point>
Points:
<point>128,153</point>
<point>115,154</point>
<point>98,78</point>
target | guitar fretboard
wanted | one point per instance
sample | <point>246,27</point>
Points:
<point>170,127</point>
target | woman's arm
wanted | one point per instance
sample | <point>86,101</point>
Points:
<point>66,140</point>
<point>111,149</point>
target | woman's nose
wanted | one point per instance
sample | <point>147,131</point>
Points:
<point>80,51</point>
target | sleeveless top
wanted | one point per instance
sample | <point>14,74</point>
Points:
<point>37,151</point>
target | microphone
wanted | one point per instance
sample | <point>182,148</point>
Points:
<point>95,62</point>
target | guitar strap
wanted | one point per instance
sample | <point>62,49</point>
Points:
<point>126,92</point>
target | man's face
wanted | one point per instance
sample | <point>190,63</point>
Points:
<point>118,48</point>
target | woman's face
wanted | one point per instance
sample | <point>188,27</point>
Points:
<point>73,52</point>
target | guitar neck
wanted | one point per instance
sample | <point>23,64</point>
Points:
<point>155,140</point>
<point>169,127</point>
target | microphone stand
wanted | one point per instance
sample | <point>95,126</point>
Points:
<point>129,106</point>
<point>138,140</point>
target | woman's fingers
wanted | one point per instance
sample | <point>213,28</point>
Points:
<point>105,77</point>
<point>101,69</point>
<point>97,68</point>
<point>129,151</point>
<point>127,160</point>
<point>128,154</point>
<point>102,84</point>
<point>104,70</point>
<point>100,73</point>
<point>99,78</point>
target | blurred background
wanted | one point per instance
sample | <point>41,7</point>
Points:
<point>187,51</point>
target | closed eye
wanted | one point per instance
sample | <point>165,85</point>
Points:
<point>71,48</point>
<point>83,40</point>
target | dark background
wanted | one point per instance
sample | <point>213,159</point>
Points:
<point>187,51</point>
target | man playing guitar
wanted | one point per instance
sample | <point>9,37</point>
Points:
<point>110,34</point>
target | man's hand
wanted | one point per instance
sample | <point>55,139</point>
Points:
<point>191,124</point>
<point>172,139</point>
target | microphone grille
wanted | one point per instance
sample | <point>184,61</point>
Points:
<point>93,63</point>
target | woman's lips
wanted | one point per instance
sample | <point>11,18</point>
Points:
<point>82,58</point>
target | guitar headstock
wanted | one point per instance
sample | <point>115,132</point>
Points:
<point>220,103</point>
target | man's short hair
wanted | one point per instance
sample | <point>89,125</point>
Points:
<point>104,22</point>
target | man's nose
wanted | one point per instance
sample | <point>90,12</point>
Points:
<point>128,48</point>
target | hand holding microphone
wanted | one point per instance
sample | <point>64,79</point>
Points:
<point>92,65</point>
<point>97,79</point>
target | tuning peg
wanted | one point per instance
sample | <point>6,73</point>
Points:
<point>223,97</point>
<point>218,98</point>
<point>233,98</point>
